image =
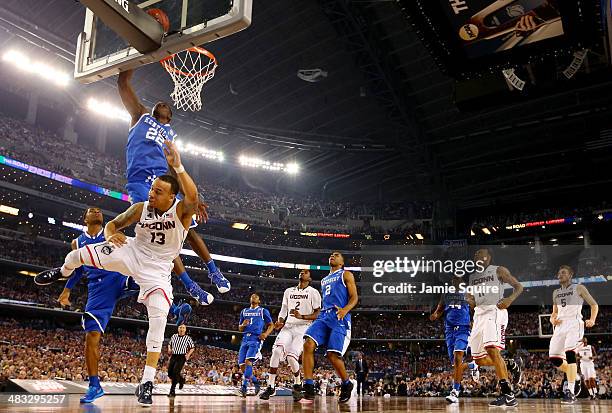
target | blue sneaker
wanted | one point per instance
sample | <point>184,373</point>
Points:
<point>200,295</point>
<point>184,311</point>
<point>223,285</point>
<point>93,393</point>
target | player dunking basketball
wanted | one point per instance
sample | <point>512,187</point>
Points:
<point>488,334</point>
<point>301,305</point>
<point>161,228</point>
<point>145,162</point>
<point>568,327</point>
<point>332,328</point>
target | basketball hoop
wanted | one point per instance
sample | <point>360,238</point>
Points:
<point>189,70</point>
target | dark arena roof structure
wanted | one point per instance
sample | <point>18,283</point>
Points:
<point>403,112</point>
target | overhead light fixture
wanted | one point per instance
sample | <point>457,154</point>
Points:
<point>9,210</point>
<point>258,163</point>
<point>39,68</point>
<point>472,233</point>
<point>486,231</point>
<point>239,225</point>
<point>197,150</point>
<point>108,110</point>
<point>419,236</point>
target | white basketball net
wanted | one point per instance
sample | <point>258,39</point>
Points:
<point>189,70</point>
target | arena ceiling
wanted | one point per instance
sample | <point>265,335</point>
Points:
<point>384,121</point>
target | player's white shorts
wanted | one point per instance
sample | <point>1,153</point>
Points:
<point>291,340</point>
<point>566,337</point>
<point>150,273</point>
<point>489,330</point>
<point>588,370</point>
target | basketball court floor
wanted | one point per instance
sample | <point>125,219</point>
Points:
<point>234,404</point>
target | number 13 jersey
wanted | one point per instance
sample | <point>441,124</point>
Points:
<point>160,237</point>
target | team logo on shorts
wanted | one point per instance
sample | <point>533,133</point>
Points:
<point>106,250</point>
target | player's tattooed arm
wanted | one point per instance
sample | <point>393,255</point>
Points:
<point>349,281</point>
<point>112,230</point>
<point>584,293</point>
<point>504,275</point>
<point>131,102</point>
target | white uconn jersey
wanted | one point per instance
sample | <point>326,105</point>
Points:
<point>569,303</point>
<point>160,236</point>
<point>585,353</point>
<point>305,301</point>
<point>489,288</point>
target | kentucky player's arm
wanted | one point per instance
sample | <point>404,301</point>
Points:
<point>112,230</point>
<point>584,293</point>
<point>439,310</point>
<point>269,324</point>
<point>517,288</point>
<point>131,102</point>
<point>188,205</point>
<point>349,281</point>
<point>64,298</point>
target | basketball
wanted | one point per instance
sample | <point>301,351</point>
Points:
<point>161,17</point>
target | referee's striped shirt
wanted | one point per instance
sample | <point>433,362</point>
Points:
<point>181,344</point>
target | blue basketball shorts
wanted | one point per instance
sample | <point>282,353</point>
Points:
<point>250,349</point>
<point>456,339</point>
<point>102,295</point>
<point>329,332</point>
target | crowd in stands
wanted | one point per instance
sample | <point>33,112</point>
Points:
<point>43,148</point>
<point>223,314</point>
<point>41,349</point>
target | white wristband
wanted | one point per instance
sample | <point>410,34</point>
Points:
<point>180,169</point>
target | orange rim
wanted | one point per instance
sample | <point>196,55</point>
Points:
<point>167,63</point>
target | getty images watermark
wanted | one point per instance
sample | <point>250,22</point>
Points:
<point>416,276</point>
<point>412,267</point>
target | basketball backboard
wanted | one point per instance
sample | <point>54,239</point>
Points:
<point>102,53</point>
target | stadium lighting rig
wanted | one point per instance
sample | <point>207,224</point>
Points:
<point>107,110</point>
<point>43,70</point>
<point>257,163</point>
<point>197,150</point>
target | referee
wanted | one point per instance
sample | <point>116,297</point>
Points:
<point>180,349</point>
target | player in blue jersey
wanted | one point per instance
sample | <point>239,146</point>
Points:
<point>255,325</point>
<point>456,311</point>
<point>104,289</point>
<point>332,328</point>
<point>146,161</point>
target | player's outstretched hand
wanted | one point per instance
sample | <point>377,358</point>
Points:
<point>341,312</point>
<point>589,323</point>
<point>172,154</point>
<point>202,212</point>
<point>64,298</point>
<point>118,239</point>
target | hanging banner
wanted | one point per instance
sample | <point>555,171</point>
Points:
<point>576,64</point>
<point>513,80</point>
